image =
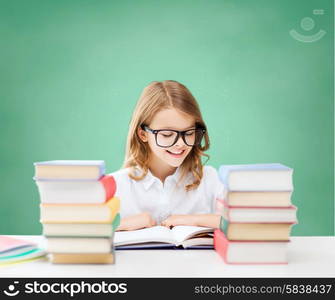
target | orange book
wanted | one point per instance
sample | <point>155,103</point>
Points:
<point>80,213</point>
<point>80,258</point>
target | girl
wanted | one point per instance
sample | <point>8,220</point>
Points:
<point>163,181</point>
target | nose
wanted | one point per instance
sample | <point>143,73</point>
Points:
<point>180,142</point>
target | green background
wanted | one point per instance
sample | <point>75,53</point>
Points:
<point>72,71</point>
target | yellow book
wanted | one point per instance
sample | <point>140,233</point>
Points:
<point>257,231</point>
<point>259,198</point>
<point>80,213</point>
<point>79,258</point>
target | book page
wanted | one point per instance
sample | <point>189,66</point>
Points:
<point>199,242</point>
<point>153,234</point>
<point>182,233</point>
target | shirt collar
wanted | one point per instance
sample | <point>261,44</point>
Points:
<point>150,179</point>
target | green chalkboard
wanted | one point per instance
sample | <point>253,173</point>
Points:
<point>262,72</point>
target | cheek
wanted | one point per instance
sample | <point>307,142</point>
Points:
<point>188,151</point>
<point>154,148</point>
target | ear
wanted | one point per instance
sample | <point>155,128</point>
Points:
<point>142,134</point>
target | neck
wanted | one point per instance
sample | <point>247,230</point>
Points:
<point>160,169</point>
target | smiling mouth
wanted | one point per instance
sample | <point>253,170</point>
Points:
<point>176,154</point>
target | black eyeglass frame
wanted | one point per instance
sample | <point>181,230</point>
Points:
<point>179,133</point>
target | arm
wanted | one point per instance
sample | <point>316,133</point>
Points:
<point>204,220</point>
<point>138,221</point>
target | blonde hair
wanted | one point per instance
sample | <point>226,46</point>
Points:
<point>154,98</point>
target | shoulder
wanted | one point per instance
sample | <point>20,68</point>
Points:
<point>209,176</point>
<point>121,175</point>
<point>212,181</point>
<point>209,172</point>
<point>123,182</point>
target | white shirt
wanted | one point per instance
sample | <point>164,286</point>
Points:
<point>162,200</point>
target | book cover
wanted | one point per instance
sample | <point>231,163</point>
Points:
<point>69,170</point>
<point>256,177</point>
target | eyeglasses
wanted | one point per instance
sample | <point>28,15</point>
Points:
<point>167,137</point>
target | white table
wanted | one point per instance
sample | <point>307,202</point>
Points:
<point>308,257</point>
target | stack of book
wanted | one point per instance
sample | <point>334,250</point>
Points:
<point>79,212</point>
<point>256,214</point>
<point>16,250</point>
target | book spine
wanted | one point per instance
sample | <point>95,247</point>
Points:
<point>114,207</point>
<point>109,184</point>
<point>223,175</point>
<point>228,206</point>
<point>224,225</point>
<point>116,222</point>
<point>102,168</point>
<point>221,244</point>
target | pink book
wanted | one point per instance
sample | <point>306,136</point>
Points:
<point>9,244</point>
<point>247,252</point>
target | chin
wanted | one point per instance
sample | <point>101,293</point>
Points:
<point>174,163</point>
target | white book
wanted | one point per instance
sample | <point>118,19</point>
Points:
<point>257,177</point>
<point>161,236</point>
<point>260,214</point>
<point>81,230</point>
<point>250,252</point>
<point>256,252</point>
<point>69,169</point>
<point>71,192</point>
<point>79,245</point>
<point>76,191</point>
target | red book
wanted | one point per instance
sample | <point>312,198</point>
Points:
<point>247,252</point>
<point>77,191</point>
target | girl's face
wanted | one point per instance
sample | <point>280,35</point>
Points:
<point>169,119</point>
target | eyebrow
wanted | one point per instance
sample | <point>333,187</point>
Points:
<point>173,128</point>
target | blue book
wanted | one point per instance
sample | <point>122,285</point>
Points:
<point>69,170</point>
<point>257,177</point>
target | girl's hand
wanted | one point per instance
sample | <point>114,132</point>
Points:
<point>175,220</point>
<point>143,220</point>
<point>203,220</point>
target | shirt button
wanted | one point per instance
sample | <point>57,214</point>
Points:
<point>163,215</point>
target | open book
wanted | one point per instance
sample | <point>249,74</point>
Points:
<point>163,237</point>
